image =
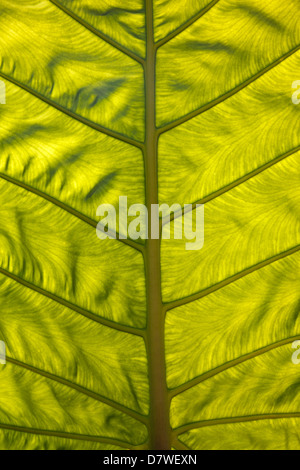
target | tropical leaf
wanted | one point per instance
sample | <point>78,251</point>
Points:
<point>114,344</point>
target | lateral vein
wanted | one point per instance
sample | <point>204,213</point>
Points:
<point>232,185</point>
<point>236,419</point>
<point>229,280</point>
<point>178,445</point>
<point>98,33</point>
<point>186,25</point>
<point>67,208</point>
<point>226,95</point>
<point>73,115</point>
<point>123,409</point>
<point>234,362</point>
<point>75,308</point>
<point>68,435</point>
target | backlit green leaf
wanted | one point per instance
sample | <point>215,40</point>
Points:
<point>133,344</point>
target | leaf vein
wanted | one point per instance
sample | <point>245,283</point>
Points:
<point>75,308</point>
<point>234,362</point>
<point>134,414</point>
<point>67,208</point>
<point>98,33</point>
<point>234,184</point>
<point>68,435</point>
<point>73,115</point>
<point>236,419</point>
<point>186,25</point>
<point>226,95</point>
<point>229,280</point>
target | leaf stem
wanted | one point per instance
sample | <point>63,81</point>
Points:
<point>160,430</point>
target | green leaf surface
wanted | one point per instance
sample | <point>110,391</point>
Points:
<point>132,344</point>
